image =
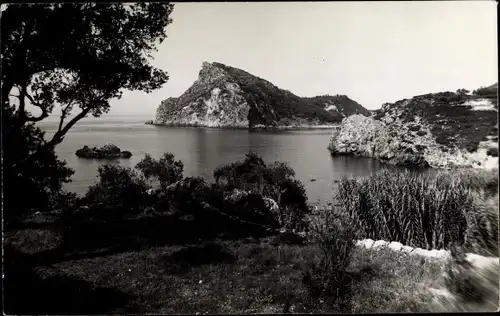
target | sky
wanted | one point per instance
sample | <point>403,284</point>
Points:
<point>374,52</point>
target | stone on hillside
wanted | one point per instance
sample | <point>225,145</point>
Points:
<point>407,249</point>
<point>396,246</point>
<point>419,252</point>
<point>367,243</point>
<point>380,244</point>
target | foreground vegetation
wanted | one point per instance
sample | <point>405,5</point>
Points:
<point>222,276</point>
<point>426,210</point>
<point>149,240</point>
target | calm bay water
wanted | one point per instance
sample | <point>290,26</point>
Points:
<point>204,149</point>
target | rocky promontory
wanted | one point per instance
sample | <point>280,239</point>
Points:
<point>440,130</point>
<point>106,152</point>
<point>225,96</point>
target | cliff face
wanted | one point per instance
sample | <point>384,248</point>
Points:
<point>439,130</point>
<point>225,96</point>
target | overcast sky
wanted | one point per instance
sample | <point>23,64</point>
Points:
<point>374,52</point>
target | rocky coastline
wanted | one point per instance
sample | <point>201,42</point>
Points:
<point>257,128</point>
<point>443,130</point>
<point>228,97</point>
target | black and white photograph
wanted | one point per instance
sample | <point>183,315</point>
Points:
<point>207,158</point>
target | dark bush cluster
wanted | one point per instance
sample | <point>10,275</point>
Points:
<point>274,181</point>
<point>166,170</point>
<point>492,152</point>
<point>248,198</point>
<point>120,191</point>
<point>486,91</point>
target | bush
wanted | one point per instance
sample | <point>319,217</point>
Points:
<point>420,148</point>
<point>273,181</point>
<point>479,180</point>
<point>414,128</point>
<point>120,191</point>
<point>408,207</point>
<point>325,275</point>
<point>471,146</point>
<point>166,170</point>
<point>492,152</point>
<point>486,91</point>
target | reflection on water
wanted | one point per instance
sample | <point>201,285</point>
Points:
<point>203,149</point>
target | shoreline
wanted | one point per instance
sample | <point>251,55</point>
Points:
<point>253,129</point>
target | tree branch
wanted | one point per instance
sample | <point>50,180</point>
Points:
<point>21,115</point>
<point>59,135</point>
<point>56,139</point>
<point>33,102</point>
<point>64,115</point>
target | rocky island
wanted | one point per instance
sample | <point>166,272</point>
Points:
<point>439,130</point>
<point>106,152</point>
<point>225,96</point>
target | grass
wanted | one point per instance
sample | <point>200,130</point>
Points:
<point>272,274</point>
<point>422,210</point>
<point>240,276</point>
<point>468,286</point>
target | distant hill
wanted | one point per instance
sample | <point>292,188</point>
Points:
<point>224,96</point>
<point>438,129</point>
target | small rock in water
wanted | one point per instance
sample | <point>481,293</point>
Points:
<point>107,151</point>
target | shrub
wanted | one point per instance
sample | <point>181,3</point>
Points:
<point>411,208</point>
<point>414,128</point>
<point>166,170</point>
<point>421,133</point>
<point>273,181</point>
<point>492,152</point>
<point>486,91</point>
<point>120,191</point>
<point>325,275</point>
<point>479,180</point>
<point>420,147</point>
<point>471,146</point>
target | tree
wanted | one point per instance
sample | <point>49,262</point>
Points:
<point>38,185</point>
<point>76,55</point>
<point>166,170</point>
<point>102,49</point>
